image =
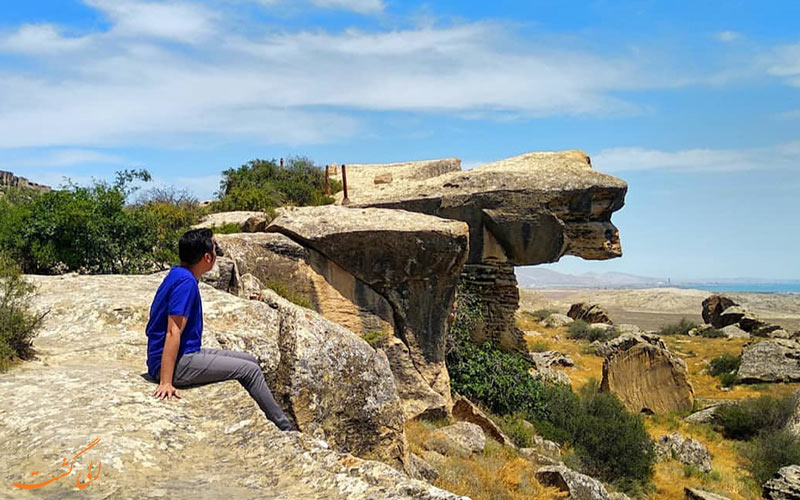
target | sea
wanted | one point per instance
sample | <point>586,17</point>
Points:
<point>745,287</point>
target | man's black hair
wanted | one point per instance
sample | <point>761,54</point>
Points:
<point>194,244</point>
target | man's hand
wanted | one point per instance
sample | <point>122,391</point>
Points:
<point>166,391</point>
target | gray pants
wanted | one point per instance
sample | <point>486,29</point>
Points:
<point>215,365</point>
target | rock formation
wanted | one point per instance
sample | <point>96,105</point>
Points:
<point>590,313</point>
<point>526,210</point>
<point>646,377</point>
<point>465,411</point>
<point>238,218</point>
<point>7,179</point>
<point>776,360</point>
<point>686,450</point>
<point>721,312</point>
<point>695,494</point>
<point>784,485</point>
<point>579,486</point>
<point>460,439</point>
<point>330,382</point>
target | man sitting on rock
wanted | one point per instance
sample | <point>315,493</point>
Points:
<point>175,331</point>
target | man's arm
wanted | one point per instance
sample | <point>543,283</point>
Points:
<point>172,341</point>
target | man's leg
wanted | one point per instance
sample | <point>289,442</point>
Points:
<point>208,365</point>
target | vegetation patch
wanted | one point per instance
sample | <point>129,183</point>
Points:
<point>682,327</point>
<point>746,419</point>
<point>726,367</point>
<point>581,330</point>
<point>290,295</point>
<point>18,324</point>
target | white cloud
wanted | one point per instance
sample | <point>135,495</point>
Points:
<point>728,36</point>
<point>782,156</point>
<point>360,6</point>
<point>169,20</point>
<point>38,39</point>
<point>785,62</point>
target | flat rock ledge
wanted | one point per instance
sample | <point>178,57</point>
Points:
<point>214,442</point>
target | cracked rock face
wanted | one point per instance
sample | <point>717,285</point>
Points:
<point>530,209</point>
<point>784,485</point>
<point>411,260</point>
<point>87,384</point>
<point>775,360</point>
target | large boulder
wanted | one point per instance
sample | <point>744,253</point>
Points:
<point>411,260</point>
<point>331,383</point>
<point>459,439</point>
<point>776,360</point>
<point>237,218</point>
<point>590,313</point>
<point>784,485</point>
<point>648,378</point>
<point>579,486</point>
<point>721,311</point>
<point>696,494</point>
<point>465,411</point>
<point>714,306</point>
<point>686,450</point>
<point>625,342</point>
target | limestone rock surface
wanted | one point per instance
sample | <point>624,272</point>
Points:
<point>590,313</point>
<point>784,485</point>
<point>625,342</point>
<point>579,486</point>
<point>214,441</point>
<point>222,218</point>
<point>459,439</point>
<point>466,411</point>
<point>776,360</point>
<point>555,320</point>
<point>696,494</point>
<point>686,450</point>
<point>714,306</point>
<point>648,379</point>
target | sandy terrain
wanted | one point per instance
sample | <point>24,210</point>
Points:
<point>650,308</point>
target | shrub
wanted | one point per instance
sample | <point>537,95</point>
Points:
<point>770,451</point>
<point>374,337</point>
<point>581,330</point>
<point>290,295</point>
<point>227,228</point>
<point>264,185</point>
<point>712,333</point>
<point>746,419</point>
<point>682,327</point>
<point>541,314</point>
<point>18,324</point>
<point>726,367</point>
<point>540,346</point>
<point>520,431</point>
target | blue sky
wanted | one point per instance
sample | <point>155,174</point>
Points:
<point>695,104</point>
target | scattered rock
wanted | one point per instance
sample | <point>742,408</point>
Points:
<point>460,439</point>
<point>536,456</point>
<point>775,360</point>
<point>686,450</point>
<point>731,315</point>
<point>590,313</point>
<point>384,178</point>
<point>714,306</point>
<point>550,376</point>
<point>734,332</point>
<point>255,224</point>
<point>579,486</point>
<point>721,311</point>
<point>556,320</point>
<point>649,379</point>
<point>547,446</point>
<point>695,494</point>
<point>420,469</point>
<point>618,495</point>
<point>464,410</point>
<point>793,425</point>
<point>784,485</point>
<point>548,359</point>
<point>625,342</point>
<point>704,416</point>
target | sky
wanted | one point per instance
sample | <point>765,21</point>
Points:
<point>696,104</point>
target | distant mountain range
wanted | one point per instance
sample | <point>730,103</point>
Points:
<point>538,277</point>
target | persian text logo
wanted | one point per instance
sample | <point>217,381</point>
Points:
<point>81,485</point>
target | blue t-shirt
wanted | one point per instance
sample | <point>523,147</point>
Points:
<point>178,295</point>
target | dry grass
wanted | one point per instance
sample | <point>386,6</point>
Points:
<point>500,473</point>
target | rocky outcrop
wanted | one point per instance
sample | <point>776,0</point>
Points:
<point>647,378</point>
<point>527,210</point>
<point>7,179</point>
<point>713,307</point>
<point>784,485</point>
<point>686,450</point>
<point>413,261</point>
<point>704,416</point>
<point>238,218</point>
<point>775,360</point>
<point>332,384</point>
<point>721,312</point>
<point>579,486</point>
<point>695,494</point>
<point>556,320</point>
<point>625,342</point>
<point>465,411</point>
<point>460,439</point>
<point>224,276</point>
<point>590,313</point>
<point>734,332</point>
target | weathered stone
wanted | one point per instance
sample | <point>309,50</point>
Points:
<point>793,424</point>
<point>784,485</point>
<point>459,439</point>
<point>776,360</point>
<point>223,218</point>
<point>339,296</point>
<point>250,286</point>
<point>695,494</point>
<point>215,442</point>
<point>422,469</point>
<point>556,320</point>
<point>550,376</point>
<point>629,329</point>
<point>411,260</point>
<point>466,411</point>
<point>734,332</point>
<point>618,495</point>
<point>605,327</point>
<point>548,359</point>
<point>384,178</point>
<point>535,455</point>
<point>547,446</point>
<point>7,179</point>
<point>704,416</point>
<point>590,313</point>
<point>648,379</point>
<point>714,306</point>
<point>579,486</point>
<point>686,450</point>
<point>731,315</point>
<point>625,342</point>
<point>223,276</point>
<point>255,224</point>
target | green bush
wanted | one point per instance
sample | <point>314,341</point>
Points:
<point>541,314</point>
<point>769,452</point>
<point>227,228</point>
<point>746,419</point>
<point>264,185</point>
<point>540,346</point>
<point>726,367</point>
<point>682,327</point>
<point>712,333</point>
<point>519,430</point>
<point>581,330</point>
<point>609,442</point>
<point>18,324</point>
<point>290,295</point>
